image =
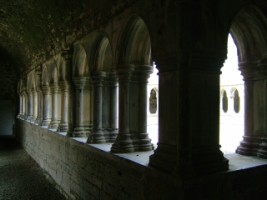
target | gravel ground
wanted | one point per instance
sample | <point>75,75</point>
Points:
<point>20,176</point>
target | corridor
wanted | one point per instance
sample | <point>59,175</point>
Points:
<point>20,177</point>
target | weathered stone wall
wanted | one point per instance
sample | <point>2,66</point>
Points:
<point>84,172</point>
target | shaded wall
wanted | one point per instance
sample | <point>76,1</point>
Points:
<point>7,113</point>
<point>84,172</point>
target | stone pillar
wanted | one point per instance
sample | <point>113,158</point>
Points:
<point>82,120</point>
<point>66,124</point>
<point>97,134</point>
<point>172,147</point>
<point>123,142</point>
<point>38,120</point>
<point>25,104</point>
<point>56,107</point>
<point>19,90</point>
<point>138,117</point>
<point>30,105</point>
<point>47,105</point>
<point>112,87</point>
<point>204,88</point>
<point>253,110</point>
<point>34,105</point>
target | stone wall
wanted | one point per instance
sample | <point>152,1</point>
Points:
<point>84,172</point>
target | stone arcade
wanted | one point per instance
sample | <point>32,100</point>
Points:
<point>81,70</point>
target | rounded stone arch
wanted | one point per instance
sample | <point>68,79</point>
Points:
<point>135,43</point>
<point>249,29</point>
<point>80,62</point>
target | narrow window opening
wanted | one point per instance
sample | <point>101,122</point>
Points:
<point>153,105</point>
<point>232,102</point>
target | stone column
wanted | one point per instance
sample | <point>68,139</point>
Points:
<point>172,148</point>
<point>30,105</point>
<point>254,122</point>
<point>123,142</point>
<point>56,107</point>
<point>47,105</point>
<point>97,134</point>
<point>82,120</point>
<point>66,124</point>
<point>20,114</point>
<point>138,112</point>
<point>204,98</point>
<point>25,104</point>
<point>39,117</point>
<point>34,105</point>
<point>112,87</point>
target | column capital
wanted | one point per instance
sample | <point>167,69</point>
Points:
<point>208,60</point>
<point>67,54</point>
<point>167,63</point>
<point>81,82</point>
<point>98,76</point>
<point>46,89</point>
<point>253,70</point>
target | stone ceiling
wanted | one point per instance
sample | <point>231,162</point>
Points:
<point>32,30</point>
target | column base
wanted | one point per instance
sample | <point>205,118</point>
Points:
<point>122,144</point>
<point>63,127</point>
<point>262,152</point>
<point>80,132</point>
<point>38,121</point>
<point>96,137</point>
<point>46,122</point>
<point>249,146</point>
<point>164,158</point>
<point>54,124</point>
<point>142,142</point>
<point>29,118</point>
<point>111,135</point>
<point>209,159</point>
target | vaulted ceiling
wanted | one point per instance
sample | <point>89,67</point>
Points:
<point>34,29</point>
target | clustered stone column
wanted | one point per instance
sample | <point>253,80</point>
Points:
<point>66,99</point>
<point>138,108</point>
<point>25,102</point>
<point>97,134</point>
<point>56,106</point>
<point>30,103</point>
<point>38,82</point>
<point>123,142</point>
<point>204,112</point>
<point>112,107</point>
<point>82,117</point>
<point>34,104</point>
<point>172,150</point>
<point>254,87</point>
<point>19,90</point>
<point>47,109</point>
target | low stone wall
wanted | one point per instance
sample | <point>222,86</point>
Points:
<point>84,172</point>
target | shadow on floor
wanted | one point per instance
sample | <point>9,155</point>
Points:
<point>20,176</point>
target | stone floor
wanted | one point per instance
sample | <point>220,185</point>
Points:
<point>20,176</point>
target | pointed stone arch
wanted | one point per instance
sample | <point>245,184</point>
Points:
<point>249,30</point>
<point>80,62</point>
<point>135,45</point>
